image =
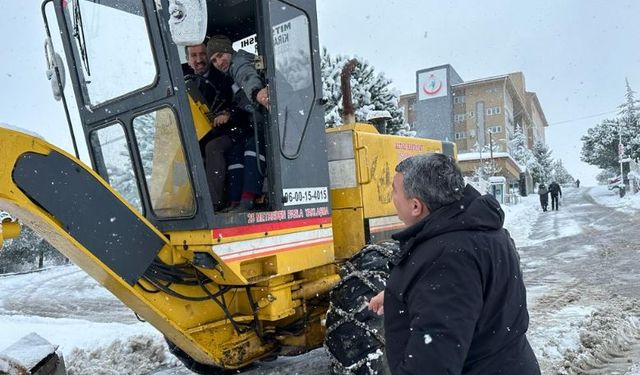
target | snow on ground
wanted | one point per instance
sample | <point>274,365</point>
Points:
<point>520,218</point>
<point>611,198</point>
<point>574,327</point>
<point>109,334</point>
<point>69,333</point>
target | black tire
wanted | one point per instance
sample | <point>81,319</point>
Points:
<point>355,335</point>
<point>192,364</point>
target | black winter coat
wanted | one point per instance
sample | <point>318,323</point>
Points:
<point>455,302</point>
<point>246,78</point>
<point>555,189</point>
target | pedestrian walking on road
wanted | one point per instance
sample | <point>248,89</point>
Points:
<point>455,302</point>
<point>578,183</point>
<point>544,197</point>
<point>555,191</point>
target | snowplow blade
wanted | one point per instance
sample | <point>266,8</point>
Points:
<point>34,355</point>
<point>75,210</point>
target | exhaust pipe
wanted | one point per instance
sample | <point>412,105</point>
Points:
<point>348,112</point>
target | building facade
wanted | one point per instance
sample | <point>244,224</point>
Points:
<point>477,115</point>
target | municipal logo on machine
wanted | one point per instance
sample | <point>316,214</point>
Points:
<point>432,84</point>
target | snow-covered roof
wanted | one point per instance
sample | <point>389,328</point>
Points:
<point>481,80</point>
<point>468,156</point>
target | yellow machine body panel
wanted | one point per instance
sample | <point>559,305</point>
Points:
<point>362,164</point>
<point>377,156</point>
<point>265,271</point>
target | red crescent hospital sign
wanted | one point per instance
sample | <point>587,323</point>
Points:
<point>432,84</point>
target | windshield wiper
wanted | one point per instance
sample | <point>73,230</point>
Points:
<point>78,34</point>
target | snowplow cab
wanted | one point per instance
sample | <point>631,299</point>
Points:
<point>142,126</point>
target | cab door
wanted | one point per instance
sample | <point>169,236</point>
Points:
<point>297,128</point>
<point>134,110</point>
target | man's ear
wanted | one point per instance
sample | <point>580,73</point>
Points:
<point>418,208</point>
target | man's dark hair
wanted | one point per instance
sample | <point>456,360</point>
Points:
<point>435,179</point>
<point>186,48</point>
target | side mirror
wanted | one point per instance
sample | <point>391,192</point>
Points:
<point>188,21</point>
<point>54,62</point>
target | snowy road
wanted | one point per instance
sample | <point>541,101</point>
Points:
<point>581,267</point>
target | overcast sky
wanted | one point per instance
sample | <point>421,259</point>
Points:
<point>575,54</point>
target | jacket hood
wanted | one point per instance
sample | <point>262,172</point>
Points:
<point>472,212</point>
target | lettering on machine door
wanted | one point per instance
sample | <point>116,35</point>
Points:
<point>308,195</point>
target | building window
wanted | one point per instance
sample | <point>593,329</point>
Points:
<point>461,135</point>
<point>495,129</point>
<point>458,99</point>
<point>493,111</point>
<point>460,117</point>
<point>471,114</point>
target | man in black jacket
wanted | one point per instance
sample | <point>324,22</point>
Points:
<point>554,190</point>
<point>455,302</point>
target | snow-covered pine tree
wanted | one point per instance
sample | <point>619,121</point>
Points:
<point>560,173</point>
<point>370,91</point>
<point>521,152</point>
<point>542,172</point>
<point>28,252</point>
<point>629,117</point>
<point>486,168</point>
<point>600,144</point>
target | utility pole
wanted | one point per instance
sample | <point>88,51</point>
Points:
<point>620,154</point>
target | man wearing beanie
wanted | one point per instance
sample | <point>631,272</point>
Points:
<point>239,66</point>
<point>249,88</point>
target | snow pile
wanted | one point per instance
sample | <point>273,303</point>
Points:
<point>520,218</point>
<point>138,355</point>
<point>609,332</point>
<point>68,308</point>
<point>630,203</point>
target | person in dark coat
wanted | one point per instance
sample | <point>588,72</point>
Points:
<point>544,197</point>
<point>555,191</point>
<point>223,146</point>
<point>455,302</point>
<point>249,86</point>
<point>578,183</point>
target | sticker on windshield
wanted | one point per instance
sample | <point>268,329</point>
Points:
<point>308,195</point>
